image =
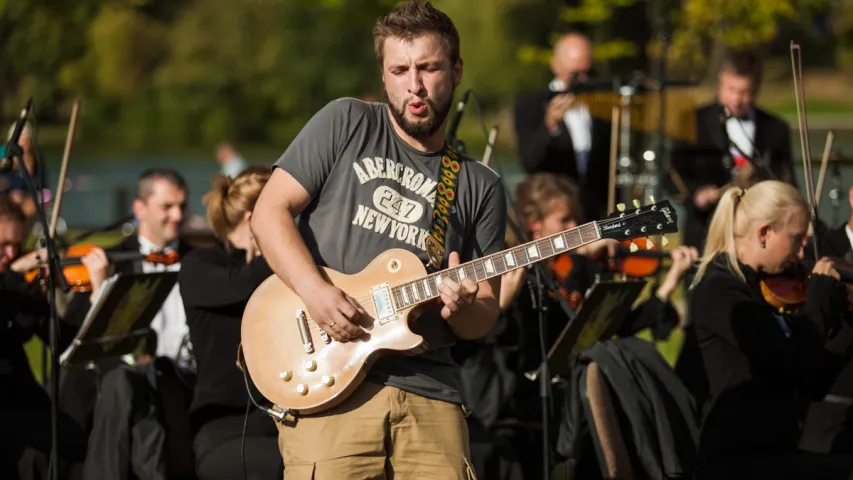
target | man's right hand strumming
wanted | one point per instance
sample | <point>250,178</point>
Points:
<point>556,110</point>
<point>283,248</point>
<point>333,310</point>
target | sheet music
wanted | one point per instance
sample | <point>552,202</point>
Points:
<point>120,316</point>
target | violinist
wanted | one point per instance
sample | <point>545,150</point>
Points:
<point>760,363</point>
<point>549,205</point>
<point>24,405</point>
<point>216,283</point>
<point>160,208</point>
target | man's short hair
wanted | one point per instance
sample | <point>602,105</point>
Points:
<point>414,19</point>
<point>10,210</point>
<point>744,63</point>
<point>145,184</point>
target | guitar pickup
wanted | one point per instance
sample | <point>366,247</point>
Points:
<point>304,331</point>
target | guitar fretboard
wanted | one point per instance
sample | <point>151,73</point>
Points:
<point>426,288</point>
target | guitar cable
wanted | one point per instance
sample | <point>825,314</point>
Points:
<point>241,364</point>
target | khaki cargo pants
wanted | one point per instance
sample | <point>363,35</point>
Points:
<point>380,432</point>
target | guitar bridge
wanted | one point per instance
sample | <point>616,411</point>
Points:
<point>385,311</point>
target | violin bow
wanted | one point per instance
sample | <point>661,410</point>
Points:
<point>797,67</point>
<point>614,146</point>
<point>490,146</point>
<point>824,162</point>
<point>63,171</point>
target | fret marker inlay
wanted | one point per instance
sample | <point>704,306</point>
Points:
<point>490,267</point>
<point>510,259</point>
<point>533,251</point>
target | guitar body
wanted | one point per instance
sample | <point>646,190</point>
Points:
<point>311,380</point>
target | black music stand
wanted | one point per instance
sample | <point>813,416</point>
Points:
<point>600,316</point>
<point>120,317</point>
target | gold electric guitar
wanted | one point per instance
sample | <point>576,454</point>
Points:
<point>297,366</point>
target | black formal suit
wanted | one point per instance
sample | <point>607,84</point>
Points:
<point>541,151</point>
<point>702,162</point>
<point>79,385</point>
<point>827,427</point>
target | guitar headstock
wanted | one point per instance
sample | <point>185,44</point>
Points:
<point>656,218</point>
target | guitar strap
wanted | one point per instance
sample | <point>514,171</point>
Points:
<point>448,180</point>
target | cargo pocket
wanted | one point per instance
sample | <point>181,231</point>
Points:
<point>299,471</point>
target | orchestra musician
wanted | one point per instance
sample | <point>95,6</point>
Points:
<point>557,134</point>
<point>160,208</point>
<point>362,176</point>
<point>24,404</point>
<point>216,282</point>
<point>758,362</point>
<point>493,367</point>
<point>736,130</point>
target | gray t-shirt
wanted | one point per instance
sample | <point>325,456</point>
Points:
<point>371,192</point>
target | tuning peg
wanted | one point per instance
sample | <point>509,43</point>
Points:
<point>620,207</point>
<point>651,199</point>
<point>649,244</point>
<point>633,247</point>
<point>663,240</point>
<point>636,203</point>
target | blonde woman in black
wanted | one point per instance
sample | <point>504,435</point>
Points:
<point>216,283</point>
<point>759,363</point>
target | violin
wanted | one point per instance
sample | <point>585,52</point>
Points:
<point>644,262</point>
<point>77,275</point>
<point>786,292</point>
<point>563,266</point>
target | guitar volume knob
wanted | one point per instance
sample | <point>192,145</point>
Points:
<point>310,365</point>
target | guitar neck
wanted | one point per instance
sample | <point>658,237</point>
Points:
<point>425,288</point>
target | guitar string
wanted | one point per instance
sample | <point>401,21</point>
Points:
<point>364,300</point>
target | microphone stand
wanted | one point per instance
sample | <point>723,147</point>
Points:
<point>662,165</point>
<point>53,280</point>
<point>545,281</point>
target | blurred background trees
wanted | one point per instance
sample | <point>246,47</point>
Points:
<point>184,72</point>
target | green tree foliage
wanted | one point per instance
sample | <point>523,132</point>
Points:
<point>196,72</point>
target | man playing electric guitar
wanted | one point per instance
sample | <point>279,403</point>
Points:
<point>365,178</point>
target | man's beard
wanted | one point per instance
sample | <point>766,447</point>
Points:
<point>424,129</point>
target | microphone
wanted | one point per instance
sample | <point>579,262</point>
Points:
<point>454,122</point>
<point>7,162</point>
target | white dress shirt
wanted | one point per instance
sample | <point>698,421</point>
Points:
<point>170,322</point>
<point>742,133</point>
<point>579,124</point>
<point>849,234</point>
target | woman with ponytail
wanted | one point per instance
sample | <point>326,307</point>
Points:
<point>216,283</point>
<point>760,363</point>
